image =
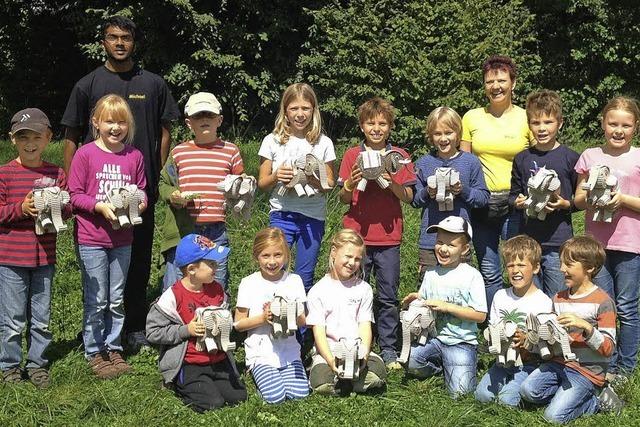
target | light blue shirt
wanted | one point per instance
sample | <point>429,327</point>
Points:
<point>463,286</point>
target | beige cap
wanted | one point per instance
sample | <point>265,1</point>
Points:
<point>202,101</point>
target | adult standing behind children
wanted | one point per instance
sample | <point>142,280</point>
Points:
<point>153,109</point>
<point>495,133</point>
<point>376,214</point>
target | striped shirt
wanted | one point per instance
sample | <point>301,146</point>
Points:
<point>200,168</point>
<point>593,353</point>
<point>19,244</point>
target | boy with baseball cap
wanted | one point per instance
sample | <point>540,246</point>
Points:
<point>27,260</point>
<point>188,184</point>
<point>203,380</point>
<point>454,290</point>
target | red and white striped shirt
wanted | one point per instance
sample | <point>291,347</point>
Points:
<point>200,168</point>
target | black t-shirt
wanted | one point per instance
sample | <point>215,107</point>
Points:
<point>149,99</point>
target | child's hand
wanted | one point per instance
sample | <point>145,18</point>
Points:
<point>518,338</point>
<point>432,192</point>
<point>557,203</point>
<point>519,202</point>
<point>195,328</point>
<point>332,365</point>
<point>456,188</point>
<point>409,299</point>
<point>177,200</point>
<point>267,315</point>
<point>28,207</point>
<point>284,173</point>
<point>569,320</point>
<point>616,201</point>
<point>142,207</point>
<point>437,305</point>
<point>354,177</point>
<point>106,210</point>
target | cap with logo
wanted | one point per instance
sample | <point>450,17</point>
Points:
<point>30,119</point>
<point>202,101</point>
<point>194,247</point>
<point>452,224</point>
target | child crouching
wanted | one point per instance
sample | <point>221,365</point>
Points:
<point>203,380</point>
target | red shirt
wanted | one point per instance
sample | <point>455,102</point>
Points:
<point>375,213</point>
<point>186,304</point>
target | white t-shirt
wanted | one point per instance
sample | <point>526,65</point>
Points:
<point>259,347</point>
<point>463,286</point>
<point>506,301</point>
<point>313,207</point>
<point>340,307</point>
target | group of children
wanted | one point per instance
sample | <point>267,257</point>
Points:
<point>584,280</point>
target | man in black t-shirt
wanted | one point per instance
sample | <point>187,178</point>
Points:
<point>153,110</point>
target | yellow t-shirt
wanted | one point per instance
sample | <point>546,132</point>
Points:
<point>496,141</point>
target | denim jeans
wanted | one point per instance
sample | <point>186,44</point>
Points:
<point>25,292</point>
<point>384,263</point>
<point>486,240</point>
<point>104,272</point>
<point>217,233</point>
<point>620,278</point>
<point>568,393</point>
<point>457,361</point>
<point>306,234</point>
<point>550,279</point>
<point>503,384</point>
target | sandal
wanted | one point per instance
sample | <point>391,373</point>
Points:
<point>13,375</point>
<point>39,377</point>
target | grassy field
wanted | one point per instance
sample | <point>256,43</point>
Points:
<point>77,397</point>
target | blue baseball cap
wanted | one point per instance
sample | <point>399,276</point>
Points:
<point>194,247</point>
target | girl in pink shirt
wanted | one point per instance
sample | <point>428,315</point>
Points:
<point>105,248</point>
<point>621,271</point>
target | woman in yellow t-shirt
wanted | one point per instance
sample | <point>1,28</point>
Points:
<point>495,133</point>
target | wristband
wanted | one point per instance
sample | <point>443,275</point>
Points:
<point>346,187</point>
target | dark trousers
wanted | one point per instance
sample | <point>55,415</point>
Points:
<point>206,387</point>
<point>135,289</point>
<point>384,263</point>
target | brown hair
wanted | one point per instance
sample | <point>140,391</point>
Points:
<point>449,117</point>
<point>500,62</point>
<point>117,108</point>
<point>544,102</point>
<point>374,106</point>
<point>624,103</point>
<point>523,247</point>
<point>291,93</point>
<point>270,236</point>
<point>583,249</point>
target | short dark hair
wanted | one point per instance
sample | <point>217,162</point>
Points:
<point>500,62</point>
<point>121,22</point>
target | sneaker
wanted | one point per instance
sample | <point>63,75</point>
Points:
<point>119,364</point>
<point>609,401</point>
<point>617,381</point>
<point>137,341</point>
<point>39,377</point>
<point>391,360</point>
<point>101,365</point>
<point>12,376</point>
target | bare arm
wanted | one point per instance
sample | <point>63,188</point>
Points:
<point>267,179</point>
<point>322,345</point>
<point>364,331</point>
<point>244,323</point>
<point>465,146</point>
<point>580,197</point>
<point>404,194</point>
<point>165,143</point>
<point>71,141</point>
<point>463,313</point>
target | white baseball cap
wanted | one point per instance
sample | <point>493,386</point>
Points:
<point>452,224</point>
<point>202,101</point>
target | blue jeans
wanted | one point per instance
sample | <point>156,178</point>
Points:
<point>550,279</point>
<point>217,233</point>
<point>384,263</point>
<point>620,278</point>
<point>104,272</point>
<point>503,384</point>
<point>486,240</point>
<point>25,292</point>
<point>306,234</point>
<point>457,361</point>
<point>568,393</point>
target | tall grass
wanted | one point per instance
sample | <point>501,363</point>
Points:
<point>76,397</point>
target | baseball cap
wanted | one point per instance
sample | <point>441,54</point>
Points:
<point>194,247</point>
<point>452,224</point>
<point>202,101</point>
<point>31,119</point>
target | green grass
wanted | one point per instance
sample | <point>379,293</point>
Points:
<point>77,397</point>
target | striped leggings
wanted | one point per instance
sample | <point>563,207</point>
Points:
<point>275,385</point>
